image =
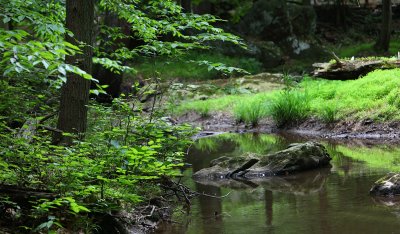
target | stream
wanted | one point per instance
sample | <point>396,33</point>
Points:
<point>328,200</point>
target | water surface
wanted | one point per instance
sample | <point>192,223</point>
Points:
<point>329,200</point>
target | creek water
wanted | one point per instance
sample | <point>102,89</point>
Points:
<point>328,200</point>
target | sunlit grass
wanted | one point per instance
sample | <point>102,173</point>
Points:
<point>227,103</point>
<point>251,111</point>
<point>289,107</point>
<point>375,96</point>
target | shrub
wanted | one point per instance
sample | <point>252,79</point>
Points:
<point>290,107</point>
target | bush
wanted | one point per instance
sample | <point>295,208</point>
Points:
<point>289,108</point>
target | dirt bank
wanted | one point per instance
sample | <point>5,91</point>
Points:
<point>312,128</point>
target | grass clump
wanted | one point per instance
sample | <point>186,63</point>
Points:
<point>204,110</point>
<point>329,114</point>
<point>290,107</point>
<point>250,112</point>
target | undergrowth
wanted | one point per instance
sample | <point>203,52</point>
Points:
<point>365,49</point>
<point>183,68</point>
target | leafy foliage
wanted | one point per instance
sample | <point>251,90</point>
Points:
<point>125,150</point>
<point>105,171</point>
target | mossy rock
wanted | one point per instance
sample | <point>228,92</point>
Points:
<point>296,158</point>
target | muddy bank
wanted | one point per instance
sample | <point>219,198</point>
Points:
<point>311,128</point>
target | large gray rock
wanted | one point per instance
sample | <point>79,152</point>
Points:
<point>388,185</point>
<point>296,158</point>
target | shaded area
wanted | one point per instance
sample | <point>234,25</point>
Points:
<point>331,200</point>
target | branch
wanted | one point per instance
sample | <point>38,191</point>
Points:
<point>337,59</point>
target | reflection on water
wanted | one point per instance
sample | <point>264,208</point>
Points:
<point>330,200</point>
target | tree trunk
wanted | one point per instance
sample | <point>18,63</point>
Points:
<point>75,92</point>
<point>341,14</point>
<point>384,38</point>
<point>186,6</point>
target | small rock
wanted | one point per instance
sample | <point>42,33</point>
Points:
<point>388,185</point>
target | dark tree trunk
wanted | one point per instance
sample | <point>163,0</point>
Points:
<point>341,14</point>
<point>114,81</point>
<point>75,92</point>
<point>186,5</point>
<point>384,38</point>
<point>103,75</point>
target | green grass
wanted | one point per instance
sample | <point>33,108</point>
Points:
<point>289,108</point>
<point>173,68</point>
<point>250,112</point>
<point>229,103</point>
<point>375,96</point>
<point>328,113</point>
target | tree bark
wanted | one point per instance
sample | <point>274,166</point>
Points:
<point>75,92</point>
<point>384,38</point>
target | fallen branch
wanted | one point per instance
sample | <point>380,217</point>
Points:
<point>208,195</point>
<point>242,169</point>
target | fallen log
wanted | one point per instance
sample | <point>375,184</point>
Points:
<point>351,69</point>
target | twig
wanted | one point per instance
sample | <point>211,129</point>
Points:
<point>337,59</point>
<point>51,129</point>
<point>208,195</point>
<point>152,211</point>
<point>46,117</point>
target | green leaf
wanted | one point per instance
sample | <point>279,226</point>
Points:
<point>45,64</point>
<point>6,20</point>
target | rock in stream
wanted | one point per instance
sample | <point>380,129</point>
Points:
<point>297,157</point>
<point>388,185</point>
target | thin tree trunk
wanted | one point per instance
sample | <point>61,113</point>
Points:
<point>75,92</point>
<point>384,38</point>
